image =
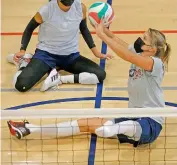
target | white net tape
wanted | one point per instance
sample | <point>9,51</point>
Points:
<point>88,113</point>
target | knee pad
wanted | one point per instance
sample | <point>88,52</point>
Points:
<point>106,130</point>
<point>131,129</point>
<point>88,78</point>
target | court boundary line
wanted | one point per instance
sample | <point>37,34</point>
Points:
<point>173,31</point>
<point>108,98</point>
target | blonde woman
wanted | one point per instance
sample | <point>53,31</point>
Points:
<point>148,57</point>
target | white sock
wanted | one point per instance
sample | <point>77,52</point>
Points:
<point>56,130</point>
<point>84,78</point>
<point>67,79</point>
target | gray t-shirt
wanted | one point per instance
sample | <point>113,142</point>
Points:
<point>59,32</point>
<point>144,87</point>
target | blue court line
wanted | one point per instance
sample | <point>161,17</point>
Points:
<point>74,100</point>
<point>100,85</point>
<point>91,158</point>
<point>99,91</point>
<point>51,90</point>
<point>50,102</point>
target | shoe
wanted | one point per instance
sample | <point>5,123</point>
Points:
<point>52,80</point>
<point>18,129</point>
<point>22,62</point>
<point>10,59</point>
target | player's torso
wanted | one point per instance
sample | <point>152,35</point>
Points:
<point>60,32</point>
<point>143,89</point>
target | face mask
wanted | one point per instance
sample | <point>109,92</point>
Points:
<point>138,44</point>
<point>67,2</point>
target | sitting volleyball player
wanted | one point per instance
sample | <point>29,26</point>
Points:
<point>60,21</point>
<point>148,56</point>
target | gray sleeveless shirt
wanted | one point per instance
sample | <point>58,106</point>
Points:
<point>59,32</point>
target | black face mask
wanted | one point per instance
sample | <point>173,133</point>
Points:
<point>67,2</point>
<point>138,44</point>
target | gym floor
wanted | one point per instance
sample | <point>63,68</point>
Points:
<point>132,18</point>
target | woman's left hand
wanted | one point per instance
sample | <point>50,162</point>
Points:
<point>107,56</point>
<point>98,54</point>
<point>104,56</point>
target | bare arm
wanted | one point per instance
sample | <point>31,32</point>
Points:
<point>38,18</point>
<point>141,61</point>
<point>115,38</point>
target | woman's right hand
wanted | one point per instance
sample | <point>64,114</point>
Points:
<point>19,55</point>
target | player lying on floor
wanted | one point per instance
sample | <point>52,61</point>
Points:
<point>135,131</point>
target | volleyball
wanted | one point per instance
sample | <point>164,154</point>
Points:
<point>99,10</point>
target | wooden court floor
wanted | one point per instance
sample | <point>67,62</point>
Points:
<point>131,18</point>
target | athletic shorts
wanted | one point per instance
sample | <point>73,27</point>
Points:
<point>150,131</point>
<point>54,60</point>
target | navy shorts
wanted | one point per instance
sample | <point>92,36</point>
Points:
<point>54,60</point>
<point>150,130</point>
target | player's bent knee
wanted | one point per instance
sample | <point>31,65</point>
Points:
<point>22,85</point>
<point>101,74</point>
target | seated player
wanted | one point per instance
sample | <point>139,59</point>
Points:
<point>148,56</point>
<point>58,46</point>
